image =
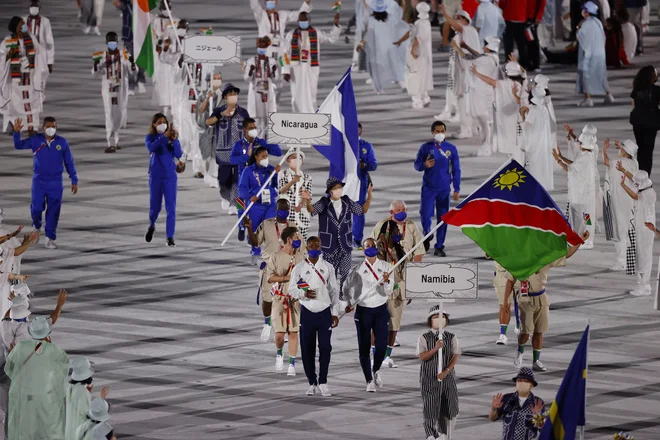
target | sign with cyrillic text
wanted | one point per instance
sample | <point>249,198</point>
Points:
<point>442,280</point>
<point>299,129</point>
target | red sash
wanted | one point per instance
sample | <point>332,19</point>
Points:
<point>316,270</point>
<point>373,272</point>
<point>39,149</point>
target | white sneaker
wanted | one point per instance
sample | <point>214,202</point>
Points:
<point>390,362</point>
<point>641,292</point>
<point>96,30</point>
<point>141,88</point>
<point>588,102</point>
<point>618,266</point>
<point>232,210</point>
<point>442,116</point>
<point>291,371</point>
<point>417,105</point>
<point>430,437</point>
<point>224,205</point>
<point>518,360</point>
<point>50,244</point>
<point>86,29</point>
<point>517,330</point>
<point>369,81</point>
<point>609,99</point>
<point>371,387</point>
<point>484,151</point>
<point>325,392</point>
<point>587,246</point>
<point>131,93</point>
<point>502,340</point>
<point>396,342</point>
<point>463,134</point>
<point>441,437</point>
<point>538,366</point>
<point>38,236</point>
<point>454,118</point>
<point>279,362</point>
<point>311,390</point>
<point>265,333</point>
<point>378,379</point>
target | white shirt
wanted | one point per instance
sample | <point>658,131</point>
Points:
<point>489,21</point>
<point>337,205</point>
<point>362,280</point>
<point>327,290</point>
<point>629,39</point>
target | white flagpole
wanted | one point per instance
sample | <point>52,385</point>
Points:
<point>581,428</point>
<point>185,65</point>
<point>656,303</point>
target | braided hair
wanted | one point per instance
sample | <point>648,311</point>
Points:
<point>387,230</point>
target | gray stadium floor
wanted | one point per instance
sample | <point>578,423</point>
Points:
<point>175,333</point>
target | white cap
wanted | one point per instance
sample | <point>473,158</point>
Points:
<point>590,129</point>
<point>587,141</point>
<point>19,308</point>
<point>98,410</point>
<point>377,5</point>
<point>20,289</point>
<point>423,7</point>
<point>629,147</point>
<point>39,328</point>
<point>591,7</point>
<point>81,368</point>
<point>492,43</point>
<point>512,69</point>
<point>541,80</point>
<point>101,431</point>
<point>465,15</point>
<point>641,180</point>
<point>292,152</point>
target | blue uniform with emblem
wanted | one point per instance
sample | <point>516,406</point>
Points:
<point>253,177</point>
<point>50,159</point>
<point>239,156</point>
<point>163,179</point>
<point>367,156</point>
<point>437,183</point>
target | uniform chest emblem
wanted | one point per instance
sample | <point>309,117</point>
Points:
<point>364,151</point>
<point>447,154</point>
<point>58,148</point>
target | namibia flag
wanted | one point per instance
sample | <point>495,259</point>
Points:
<point>302,285</point>
<point>515,221</point>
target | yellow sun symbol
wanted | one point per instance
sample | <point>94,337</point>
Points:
<point>509,179</point>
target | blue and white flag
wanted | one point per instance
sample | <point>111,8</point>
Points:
<point>343,151</point>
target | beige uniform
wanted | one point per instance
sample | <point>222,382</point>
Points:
<point>268,237</point>
<point>411,236</point>
<point>535,310</point>
<point>280,264</point>
<point>499,282</point>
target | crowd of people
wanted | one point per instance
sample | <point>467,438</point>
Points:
<point>307,282</point>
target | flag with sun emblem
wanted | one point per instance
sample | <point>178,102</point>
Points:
<point>515,221</point>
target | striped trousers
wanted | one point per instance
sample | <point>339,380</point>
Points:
<point>437,404</point>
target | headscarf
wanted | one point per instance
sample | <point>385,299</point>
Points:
<point>13,24</point>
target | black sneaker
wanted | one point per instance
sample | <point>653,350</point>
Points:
<point>439,252</point>
<point>427,243</point>
<point>241,235</point>
<point>170,242</point>
<point>150,234</point>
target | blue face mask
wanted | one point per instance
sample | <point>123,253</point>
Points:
<point>314,253</point>
<point>270,5</point>
<point>371,252</point>
<point>296,244</point>
<point>400,216</point>
<point>303,24</point>
<point>262,50</point>
<point>396,238</point>
<point>112,45</point>
<point>24,28</point>
<point>282,214</point>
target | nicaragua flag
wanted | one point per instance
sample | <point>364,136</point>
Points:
<point>343,151</point>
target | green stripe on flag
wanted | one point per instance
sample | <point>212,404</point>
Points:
<point>530,243</point>
<point>145,58</point>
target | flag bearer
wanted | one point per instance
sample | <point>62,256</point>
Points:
<point>367,164</point>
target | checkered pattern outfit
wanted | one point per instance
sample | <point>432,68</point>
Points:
<point>301,220</point>
<point>631,251</point>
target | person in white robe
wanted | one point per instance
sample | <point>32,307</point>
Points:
<point>40,27</point>
<point>622,206</point>
<point>507,128</point>
<point>419,58</point>
<point>543,81</point>
<point>9,239</point>
<point>386,60</point>
<point>79,395</point>
<point>184,98</point>
<point>644,196</point>
<point>209,99</point>
<point>114,68</point>
<point>162,28</point>
<point>38,370</point>
<point>488,20</point>
<point>262,74</point>
<point>272,23</point>
<point>23,64</point>
<point>629,34</point>
<point>592,69</point>
<point>463,82</point>
<point>361,16</point>
<point>538,144</point>
<point>8,256</point>
<point>303,50</point>
<point>97,414</point>
<point>450,110</point>
<point>581,187</point>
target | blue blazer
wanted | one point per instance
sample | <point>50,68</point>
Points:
<point>336,229</point>
<point>163,151</point>
<point>252,179</point>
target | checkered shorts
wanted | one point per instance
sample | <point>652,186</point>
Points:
<point>450,68</point>
<point>631,252</point>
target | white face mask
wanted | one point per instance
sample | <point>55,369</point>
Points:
<point>181,32</point>
<point>439,137</point>
<point>233,99</point>
<point>50,131</point>
<point>34,11</point>
<point>293,163</point>
<point>264,162</point>
<point>253,133</point>
<point>161,128</point>
<point>216,84</point>
<point>337,193</point>
<point>523,387</point>
<point>435,322</point>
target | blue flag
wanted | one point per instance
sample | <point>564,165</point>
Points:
<point>343,151</point>
<point>569,408</point>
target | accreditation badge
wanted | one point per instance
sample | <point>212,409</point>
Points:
<point>265,197</point>
<point>524,288</point>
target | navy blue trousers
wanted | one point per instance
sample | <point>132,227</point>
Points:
<point>47,195</point>
<point>313,326</point>
<point>366,321</point>
<point>438,201</point>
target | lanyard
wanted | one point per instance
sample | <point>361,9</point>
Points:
<point>316,270</point>
<point>45,144</point>
<point>373,272</point>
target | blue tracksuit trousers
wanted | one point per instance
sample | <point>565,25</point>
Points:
<point>159,188</point>
<point>47,195</point>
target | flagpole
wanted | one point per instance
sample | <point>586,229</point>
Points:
<point>185,65</point>
<point>581,428</point>
<point>656,303</point>
<point>266,183</point>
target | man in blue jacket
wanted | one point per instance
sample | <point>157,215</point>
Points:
<point>367,163</point>
<point>241,153</point>
<point>438,160</point>
<point>51,154</point>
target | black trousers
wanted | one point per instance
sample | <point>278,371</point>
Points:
<point>366,321</point>
<point>645,138</point>
<point>534,50</point>
<point>315,327</point>
<point>515,32</point>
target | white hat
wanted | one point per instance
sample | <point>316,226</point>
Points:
<point>98,410</point>
<point>292,152</point>
<point>19,307</point>
<point>629,147</point>
<point>541,80</point>
<point>465,15</point>
<point>20,289</point>
<point>493,43</point>
<point>423,9</point>
<point>587,141</point>
<point>101,431</point>
<point>39,328</point>
<point>378,5</point>
<point>512,69</point>
<point>435,310</point>
<point>641,180</point>
<point>590,129</point>
<point>81,368</point>
<point>590,7</point>
<point>538,94</point>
